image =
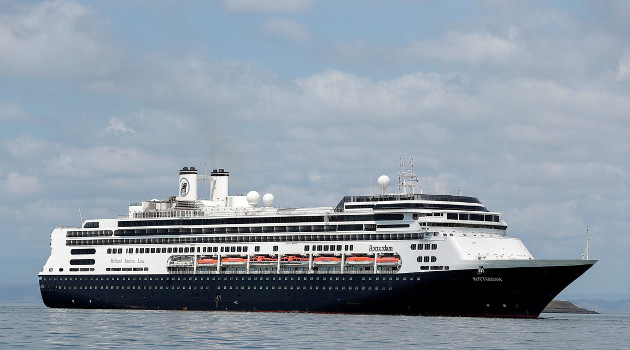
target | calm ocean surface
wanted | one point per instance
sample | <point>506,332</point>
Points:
<point>35,326</point>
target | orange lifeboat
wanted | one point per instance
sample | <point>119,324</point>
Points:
<point>327,260</point>
<point>233,261</point>
<point>292,259</point>
<point>262,259</point>
<point>359,260</point>
<point>207,261</point>
<point>388,260</point>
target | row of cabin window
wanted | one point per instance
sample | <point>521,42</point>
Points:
<point>415,216</point>
<point>247,229</point>
<point>232,249</point>
<point>219,278</point>
<point>232,287</point>
<point>473,217</point>
<point>426,259</point>
<point>404,196</point>
<point>262,220</point>
<point>428,206</point>
<point>230,278</point>
<point>85,251</point>
<point>82,261</point>
<point>98,233</point>
<point>426,246</point>
<point>327,247</point>
<point>290,238</point>
<point>434,267</point>
<point>458,224</point>
<point>222,278</point>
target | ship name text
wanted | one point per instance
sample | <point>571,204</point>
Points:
<point>127,261</point>
<point>381,248</point>
<point>487,279</point>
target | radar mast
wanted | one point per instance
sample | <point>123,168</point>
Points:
<point>407,179</point>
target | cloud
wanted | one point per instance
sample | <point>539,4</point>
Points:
<point>190,83</point>
<point>54,39</point>
<point>532,221</point>
<point>117,127</point>
<point>288,6</point>
<point>284,29</point>
<point>12,112</point>
<point>469,48</point>
<point>334,93</point>
<point>623,70</point>
<point>26,147</point>
<point>21,184</point>
<point>314,176</point>
<point>100,161</point>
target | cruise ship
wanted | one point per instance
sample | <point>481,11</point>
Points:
<point>396,252</point>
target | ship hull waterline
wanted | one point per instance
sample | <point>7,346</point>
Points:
<point>489,292</point>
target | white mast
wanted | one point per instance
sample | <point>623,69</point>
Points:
<point>407,179</point>
<point>588,241</point>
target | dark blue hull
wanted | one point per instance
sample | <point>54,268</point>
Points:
<point>501,292</point>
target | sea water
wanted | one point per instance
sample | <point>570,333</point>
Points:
<point>35,326</point>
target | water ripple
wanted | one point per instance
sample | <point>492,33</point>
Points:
<point>35,326</point>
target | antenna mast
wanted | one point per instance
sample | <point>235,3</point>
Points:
<point>205,177</point>
<point>588,241</point>
<point>407,179</point>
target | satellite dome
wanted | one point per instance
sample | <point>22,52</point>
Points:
<point>253,197</point>
<point>268,199</point>
<point>383,181</point>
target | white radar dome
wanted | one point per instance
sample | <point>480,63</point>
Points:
<point>383,181</point>
<point>268,199</point>
<point>253,197</point>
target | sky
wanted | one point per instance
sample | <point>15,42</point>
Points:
<point>523,104</point>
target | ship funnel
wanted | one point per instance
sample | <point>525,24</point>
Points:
<point>219,185</point>
<point>187,184</point>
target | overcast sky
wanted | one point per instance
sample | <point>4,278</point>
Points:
<point>524,105</point>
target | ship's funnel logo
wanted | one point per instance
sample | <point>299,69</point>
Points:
<point>183,188</point>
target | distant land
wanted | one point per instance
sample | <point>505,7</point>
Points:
<point>29,293</point>
<point>566,307</point>
<point>604,306</point>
